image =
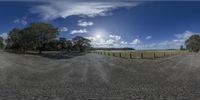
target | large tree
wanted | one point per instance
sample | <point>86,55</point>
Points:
<point>33,37</point>
<point>193,43</point>
<point>15,39</point>
<point>41,34</point>
<point>69,45</point>
<point>1,43</point>
<point>81,44</point>
<point>65,44</point>
<point>62,43</point>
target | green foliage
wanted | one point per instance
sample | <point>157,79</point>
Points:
<point>42,36</point>
<point>15,40</point>
<point>65,44</point>
<point>1,43</point>
<point>62,43</point>
<point>34,37</point>
<point>51,45</point>
<point>81,44</point>
<point>193,43</point>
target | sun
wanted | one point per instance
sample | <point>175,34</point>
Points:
<point>98,36</point>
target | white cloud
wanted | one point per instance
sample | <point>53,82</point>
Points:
<point>63,29</point>
<point>4,35</point>
<point>135,42</point>
<point>116,37</point>
<point>184,36</point>
<point>124,42</point>
<point>108,41</point>
<point>78,31</point>
<point>111,40</point>
<point>52,10</point>
<point>148,37</point>
<point>83,23</point>
<point>169,44</point>
<point>22,21</point>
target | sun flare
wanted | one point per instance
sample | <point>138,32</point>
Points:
<point>98,36</point>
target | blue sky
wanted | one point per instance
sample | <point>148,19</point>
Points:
<point>141,25</point>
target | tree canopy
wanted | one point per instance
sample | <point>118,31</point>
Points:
<point>40,34</point>
<point>193,43</point>
<point>35,36</point>
<point>81,44</point>
<point>43,36</point>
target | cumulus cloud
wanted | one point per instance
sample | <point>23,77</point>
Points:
<point>63,29</point>
<point>52,10</point>
<point>123,42</point>
<point>4,35</point>
<point>135,42</point>
<point>117,41</point>
<point>169,44</point>
<point>78,31</point>
<point>115,37</point>
<point>148,37</point>
<point>22,21</point>
<point>83,23</point>
<point>114,41</point>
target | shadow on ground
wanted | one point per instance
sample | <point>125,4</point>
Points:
<point>53,54</point>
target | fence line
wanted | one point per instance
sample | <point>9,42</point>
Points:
<point>141,55</point>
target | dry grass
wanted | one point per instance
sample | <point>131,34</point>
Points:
<point>142,54</point>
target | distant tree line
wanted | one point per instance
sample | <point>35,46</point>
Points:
<point>42,37</point>
<point>112,48</point>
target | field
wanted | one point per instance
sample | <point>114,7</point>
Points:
<point>97,77</point>
<point>141,54</point>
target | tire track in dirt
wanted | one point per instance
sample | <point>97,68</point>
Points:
<point>181,68</point>
<point>98,67</point>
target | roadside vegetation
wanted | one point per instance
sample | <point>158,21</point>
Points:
<point>43,37</point>
<point>141,54</point>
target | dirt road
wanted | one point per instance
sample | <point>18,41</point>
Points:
<point>94,77</point>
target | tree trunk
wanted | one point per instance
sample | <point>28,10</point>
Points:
<point>41,45</point>
<point>40,51</point>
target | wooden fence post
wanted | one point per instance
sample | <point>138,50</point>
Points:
<point>154,55</point>
<point>113,54</point>
<point>164,54</point>
<point>120,55</point>
<point>130,56</point>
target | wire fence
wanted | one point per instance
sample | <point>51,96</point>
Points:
<point>141,54</point>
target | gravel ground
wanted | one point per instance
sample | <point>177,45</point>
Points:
<point>95,77</point>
